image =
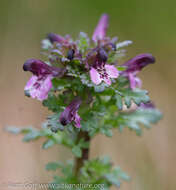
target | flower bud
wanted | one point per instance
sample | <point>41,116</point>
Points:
<point>55,38</point>
<point>102,55</point>
<point>70,54</point>
<point>70,113</point>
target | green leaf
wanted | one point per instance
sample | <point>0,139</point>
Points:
<point>17,130</point>
<point>83,42</point>
<point>121,68</point>
<point>53,103</point>
<point>133,120</point>
<point>53,166</point>
<point>106,130</point>
<point>53,123</point>
<point>83,144</point>
<point>119,102</point>
<point>60,84</point>
<point>113,180</point>
<point>77,151</point>
<point>136,95</point>
<point>99,88</point>
<point>116,176</point>
<point>47,144</point>
<point>85,79</point>
<point>100,171</point>
<point>14,130</point>
<point>32,135</point>
<point>114,56</point>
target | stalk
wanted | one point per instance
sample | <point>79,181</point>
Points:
<point>79,162</point>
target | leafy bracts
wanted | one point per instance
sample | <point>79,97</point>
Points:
<point>89,93</point>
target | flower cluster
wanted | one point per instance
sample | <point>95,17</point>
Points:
<point>91,62</point>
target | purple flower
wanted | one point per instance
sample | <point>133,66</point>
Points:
<point>40,83</point>
<point>100,30</point>
<point>139,62</point>
<point>39,87</point>
<point>71,114</point>
<point>134,65</point>
<point>100,71</point>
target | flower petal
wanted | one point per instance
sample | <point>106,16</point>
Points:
<point>44,89</point>
<point>100,30</point>
<point>138,82</point>
<point>95,76</point>
<point>77,121</point>
<point>112,71</point>
<point>137,63</point>
<point>134,81</point>
<point>39,87</point>
<point>31,82</point>
<point>107,80</point>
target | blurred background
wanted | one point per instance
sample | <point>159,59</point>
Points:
<point>149,159</point>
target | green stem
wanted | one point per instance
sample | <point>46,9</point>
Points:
<point>79,162</point>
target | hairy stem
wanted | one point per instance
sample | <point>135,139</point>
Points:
<point>79,162</point>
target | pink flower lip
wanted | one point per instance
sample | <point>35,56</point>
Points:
<point>103,73</point>
<point>39,87</point>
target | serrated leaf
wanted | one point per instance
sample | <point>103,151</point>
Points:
<point>133,120</point>
<point>53,103</point>
<point>60,84</point>
<point>137,96</point>
<point>54,124</point>
<point>101,171</point>
<point>113,180</point>
<point>119,102</point>
<point>77,151</point>
<point>127,101</point>
<point>14,130</point>
<point>32,135</point>
<point>83,42</point>
<point>47,144</point>
<point>106,131</point>
<point>115,55</point>
<point>53,166</point>
<point>116,176</point>
<point>17,130</point>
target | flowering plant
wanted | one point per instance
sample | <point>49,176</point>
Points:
<point>89,92</point>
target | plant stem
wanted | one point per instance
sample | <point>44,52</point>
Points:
<point>79,162</point>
